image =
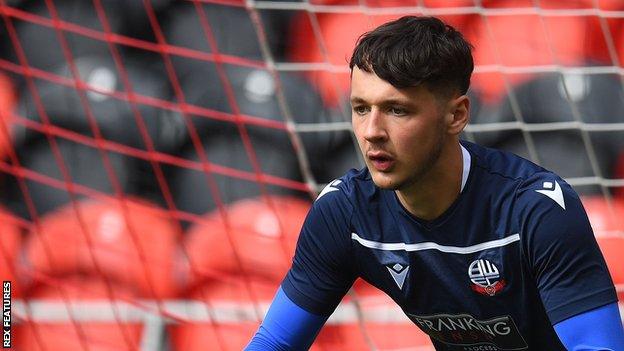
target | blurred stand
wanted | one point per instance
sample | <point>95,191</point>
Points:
<point>95,253</point>
<point>564,105</point>
<point>46,184</point>
<point>225,268</point>
<point>192,188</point>
<point>242,221</point>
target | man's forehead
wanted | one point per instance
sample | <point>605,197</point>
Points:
<point>367,86</point>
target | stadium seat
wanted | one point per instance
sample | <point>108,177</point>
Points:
<point>256,94</point>
<point>41,44</point>
<point>600,38</point>
<point>7,104</point>
<point>96,328</point>
<point>236,268</point>
<point>563,152</point>
<point>619,172</point>
<point>543,4</point>
<point>337,163</point>
<point>192,190</point>
<point>185,28</point>
<point>338,35</point>
<point>546,40</point>
<point>114,115</point>
<point>556,98</point>
<point>384,325</point>
<point>10,251</point>
<point>84,165</point>
<point>612,248</point>
<point>597,97</point>
<point>398,3</point>
<point>607,220</point>
<point>267,225</point>
<point>136,251</point>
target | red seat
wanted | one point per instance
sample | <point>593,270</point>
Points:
<point>237,265</point>
<point>619,174</point>
<point>613,250</point>
<point>255,239</point>
<point>50,328</point>
<point>137,251</point>
<point>398,3</point>
<point>608,224</point>
<point>238,269</point>
<point>384,325</point>
<point>7,104</point>
<point>10,246</point>
<point>599,37</point>
<point>338,35</point>
<point>524,40</point>
<point>606,219</point>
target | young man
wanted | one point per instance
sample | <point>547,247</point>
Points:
<point>482,250</point>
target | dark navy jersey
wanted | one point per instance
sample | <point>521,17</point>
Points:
<point>513,255</point>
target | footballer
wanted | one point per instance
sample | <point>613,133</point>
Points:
<point>481,249</point>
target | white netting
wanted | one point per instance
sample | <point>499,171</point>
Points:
<point>158,157</point>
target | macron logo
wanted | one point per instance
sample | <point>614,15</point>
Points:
<point>330,187</point>
<point>554,193</point>
<point>398,273</point>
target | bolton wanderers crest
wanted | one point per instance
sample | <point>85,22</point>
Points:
<point>485,277</point>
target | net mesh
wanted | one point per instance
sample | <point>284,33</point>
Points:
<point>159,157</point>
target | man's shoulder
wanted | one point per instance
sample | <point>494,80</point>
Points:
<point>349,189</point>
<point>531,185</point>
<point>502,163</point>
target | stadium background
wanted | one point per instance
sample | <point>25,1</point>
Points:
<point>158,157</point>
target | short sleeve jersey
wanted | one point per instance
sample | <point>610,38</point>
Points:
<point>512,256</point>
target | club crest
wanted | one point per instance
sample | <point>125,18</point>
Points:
<point>485,277</point>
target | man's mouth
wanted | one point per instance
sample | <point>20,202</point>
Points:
<point>381,161</point>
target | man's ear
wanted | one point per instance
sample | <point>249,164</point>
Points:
<point>458,114</point>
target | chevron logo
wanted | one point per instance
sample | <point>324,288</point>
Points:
<point>398,273</point>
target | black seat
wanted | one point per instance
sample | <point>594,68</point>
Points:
<point>84,164</point>
<point>555,98</point>
<point>114,115</point>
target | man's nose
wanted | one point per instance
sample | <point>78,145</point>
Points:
<point>375,130</point>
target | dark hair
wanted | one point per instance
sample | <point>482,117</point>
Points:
<point>411,51</point>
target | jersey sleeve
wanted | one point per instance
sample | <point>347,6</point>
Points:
<point>606,332</point>
<point>322,269</point>
<point>568,267</point>
<point>286,326</point>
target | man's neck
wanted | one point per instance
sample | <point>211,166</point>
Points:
<point>430,196</point>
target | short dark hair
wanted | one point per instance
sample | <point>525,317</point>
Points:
<point>414,50</point>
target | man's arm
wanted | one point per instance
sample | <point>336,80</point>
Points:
<point>570,272</point>
<point>321,273</point>
<point>597,330</point>
<point>286,327</point>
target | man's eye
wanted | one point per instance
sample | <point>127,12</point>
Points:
<point>360,110</point>
<point>397,111</point>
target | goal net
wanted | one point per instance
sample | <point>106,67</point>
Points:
<point>157,158</point>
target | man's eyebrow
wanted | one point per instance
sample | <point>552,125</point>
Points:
<point>397,102</point>
<point>357,100</point>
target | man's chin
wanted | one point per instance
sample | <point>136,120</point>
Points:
<point>384,181</point>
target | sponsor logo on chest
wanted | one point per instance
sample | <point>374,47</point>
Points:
<point>466,331</point>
